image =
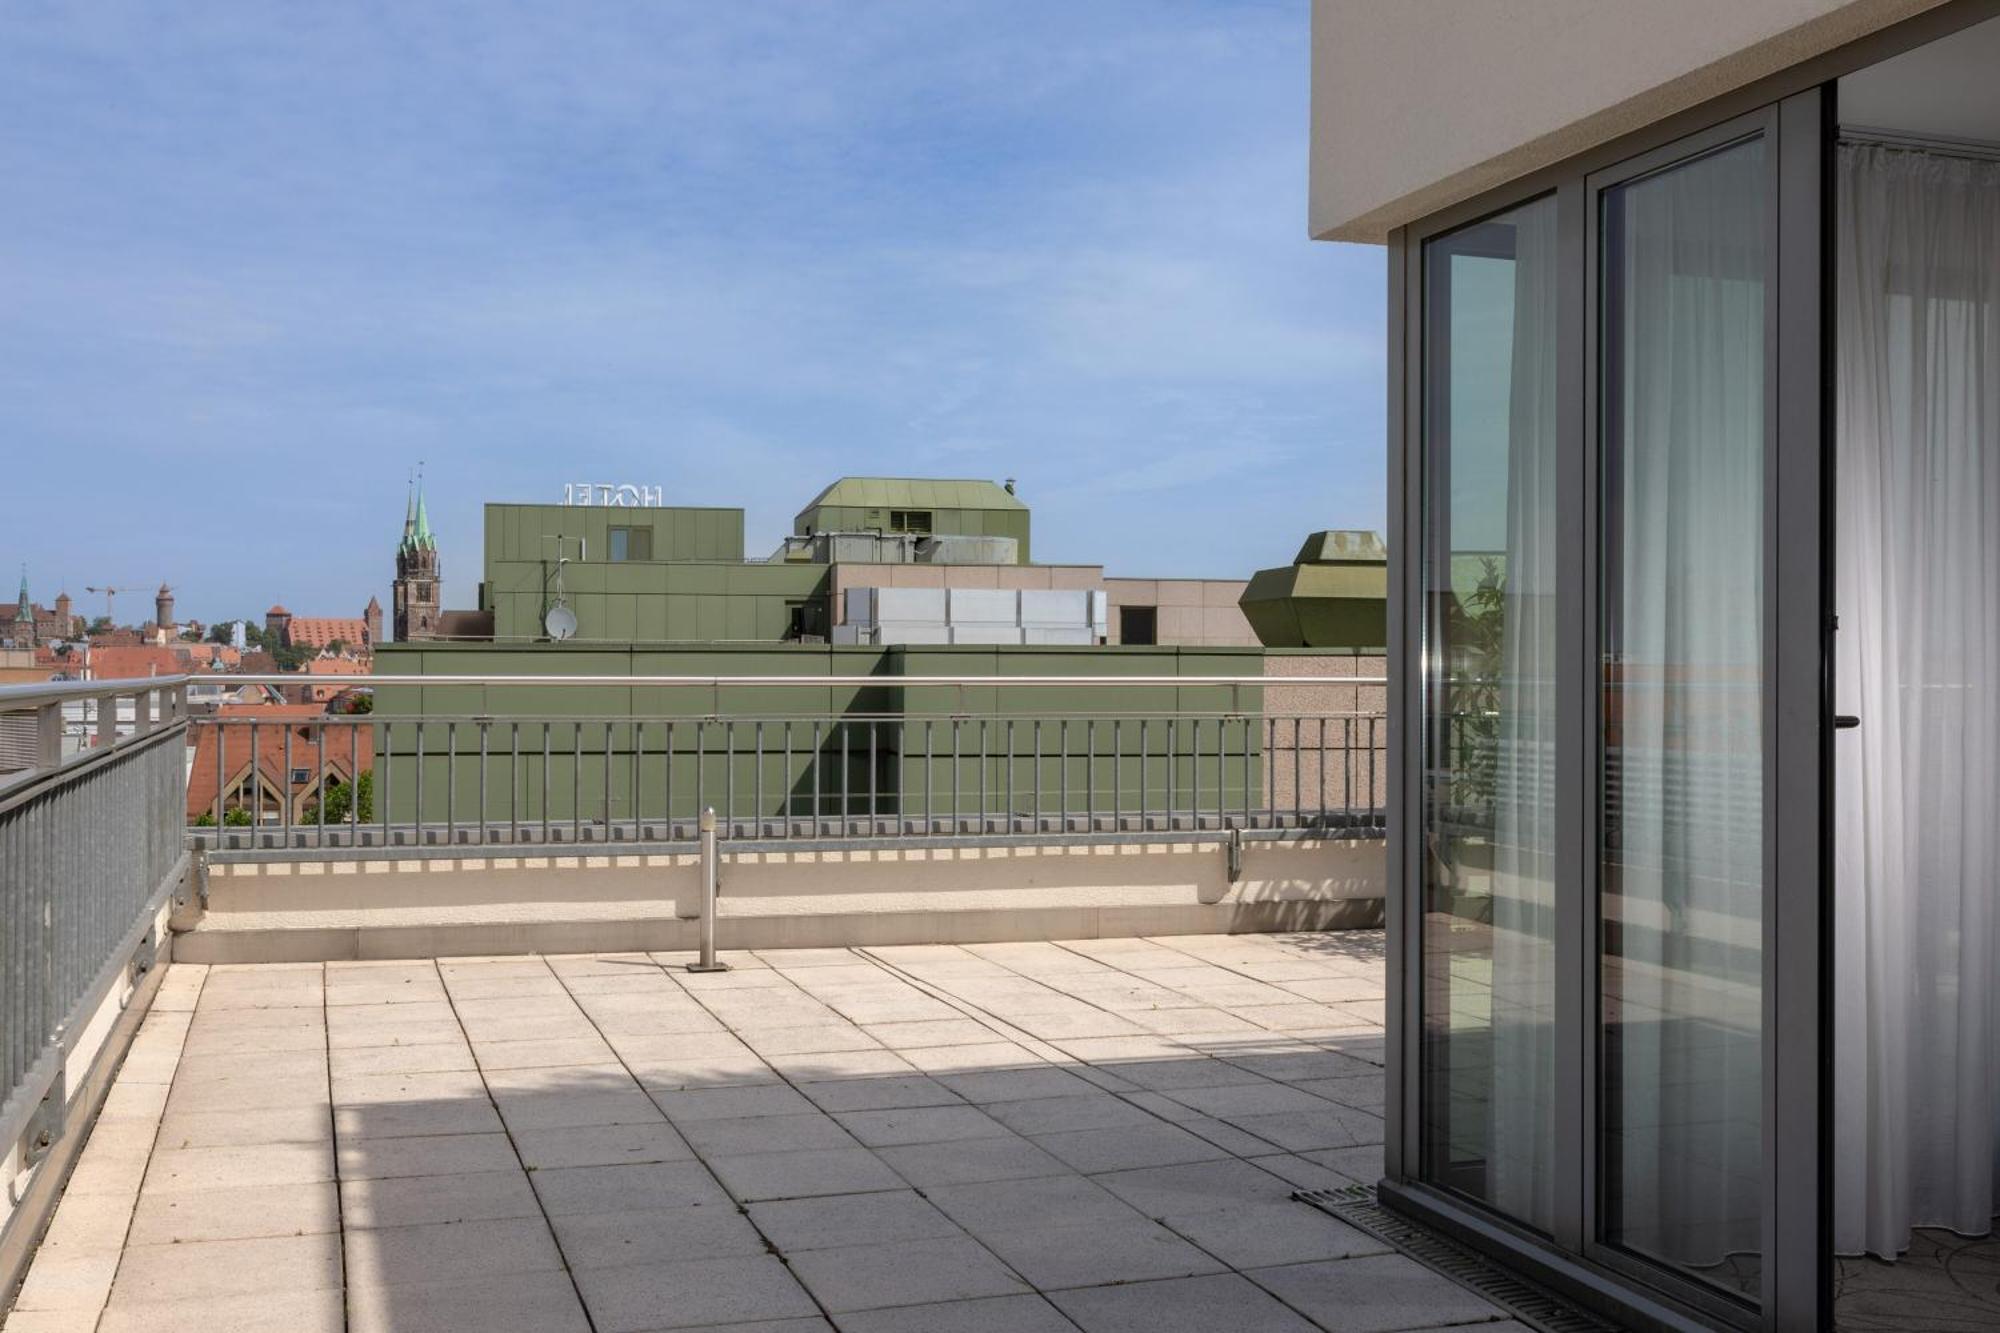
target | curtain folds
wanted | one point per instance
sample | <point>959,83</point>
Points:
<point>1917,826</point>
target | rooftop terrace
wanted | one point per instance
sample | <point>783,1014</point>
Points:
<point>1099,1134</point>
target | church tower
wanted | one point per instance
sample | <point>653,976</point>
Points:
<point>416,591</point>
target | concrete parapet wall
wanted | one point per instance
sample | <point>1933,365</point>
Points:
<point>305,910</point>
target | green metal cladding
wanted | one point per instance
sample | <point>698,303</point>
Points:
<point>959,508</point>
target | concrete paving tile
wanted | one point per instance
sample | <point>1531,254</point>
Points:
<point>428,1032</point>
<point>496,965</point>
<point>654,1236</point>
<point>703,1071</point>
<point>449,1252</point>
<point>223,1041</point>
<point>1055,1115</point>
<point>1127,1147</point>
<point>395,1120</point>
<point>1247,1099</point>
<point>552,1024</point>
<point>628,1188</point>
<point>692,1294</point>
<point>994,1314</point>
<point>1373,1294</point>
<point>341,1018</point>
<point>921,1124</point>
<point>793,1175</point>
<point>850,1219</point>
<point>364,975</point>
<point>1174,1191</point>
<point>1301,1173</point>
<point>538,1054</point>
<point>504,1303</point>
<point>389,1089</point>
<point>316,1311</point>
<point>1266,1234</point>
<point>428,1058</point>
<point>183,1170</point>
<point>1228,1137</point>
<point>605,1076</point>
<point>648,1017</point>
<point>241,1020</point>
<point>810,1041</point>
<point>1015,1085</point>
<point>875,1094</point>
<point>88,1224</point>
<point>931,1032</point>
<point>391,992</point>
<point>601,1145</point>
<point>1361,1164</point>
<point>53,1321</point>
<point>1041,1201</point>
<point>863,1277</point>
<point>402,1201</point>
<point>731,1103</point>
<point>375,1159</point>
<point>1180,1305</point>
<point>824,1066</point>
<point>1363,1092</point>
<point>677,1045</point>
<point>200,1270</point>
<point>307,1066</point>
<point>481,988</point>
<point>1110,1052</point>
<point>1055,1255</point>
<point>972,1161</point>
<point>235,1212</point>
<point>248,1094</point>
<point>1331,1126</point>
<point>133,1101</point>
<point>525,1111</point>
<point>78,1281</point>
<point>766,1133</point>
<point>1173,1022</point>
<point>962,1059</point>
<point>652,981</point>
<point>219,1129</point>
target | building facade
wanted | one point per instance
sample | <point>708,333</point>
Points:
<point>1691,313</point>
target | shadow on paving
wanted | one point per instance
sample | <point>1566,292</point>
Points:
<point>1103,1135</point>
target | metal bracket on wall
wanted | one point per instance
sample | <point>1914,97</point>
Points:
<point>45,1126</point>
<point>145,954</point>
<point>1233,849</point>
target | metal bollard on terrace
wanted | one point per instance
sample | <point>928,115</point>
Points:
<point>709,868</point>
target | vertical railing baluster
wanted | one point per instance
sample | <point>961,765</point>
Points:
<point>846,771</point>
<point>638,783</point>
<point>1117,775</point>
<point>874,766</point>
<point>1011,802</point>
<point>1321,752</point>
<point>516,783</point>
<point>817,754</point>
<point>1194,775</point>
<point>930,784</point>
<point>757,798</point>
<point>548,770</point>
<point>1173,734</point>
<point>1062,782</point>
<point>483,748</point>
<point>956,827</point>
<point>608,736</point>
<point>221,776</point>
<point>354,783</point>
<point>1090,774</point>
<point>286,789</point>
<point>667,793</point>
<point>417,821</point>
<point>1145,810</point>
<point>1298,794</point>
<point>785,805</point>
<point>575,783</point>
<point>700,764</point>
<point>1271,765</point>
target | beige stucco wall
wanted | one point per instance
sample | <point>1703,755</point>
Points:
<point>417,908</point>
<point>1422,103</point>
<point>1193,613</point>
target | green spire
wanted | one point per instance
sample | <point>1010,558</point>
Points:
<point>22,610</point>
<point>409,515</point>
<point>422,535</point>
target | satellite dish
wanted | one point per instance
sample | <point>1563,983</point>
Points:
<point>560,622</point>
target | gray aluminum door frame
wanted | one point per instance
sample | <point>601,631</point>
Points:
<point>1796,1283</point>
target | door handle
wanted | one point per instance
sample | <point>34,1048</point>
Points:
<point>1845,722</point>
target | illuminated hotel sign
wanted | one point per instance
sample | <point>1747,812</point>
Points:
<point>611,494</point>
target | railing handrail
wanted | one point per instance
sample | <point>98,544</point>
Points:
<point>12,696</point>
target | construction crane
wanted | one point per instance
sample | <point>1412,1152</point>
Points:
<point>109,594</point>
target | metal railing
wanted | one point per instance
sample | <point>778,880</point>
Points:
<point>91,843</point>
<point>934,772</point>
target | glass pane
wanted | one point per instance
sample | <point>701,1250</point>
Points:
<point>1684,270</point>
<point>1489,731</point>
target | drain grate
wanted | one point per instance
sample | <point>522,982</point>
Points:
<point>1533,1305</point>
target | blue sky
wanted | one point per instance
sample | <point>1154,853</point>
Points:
<point>256,260</point>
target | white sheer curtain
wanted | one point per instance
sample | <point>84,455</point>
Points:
<point>1684,791</point>
<point>1917,832</point>
<point>1523,1079</point>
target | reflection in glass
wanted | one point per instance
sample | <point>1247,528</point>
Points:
<point>1684,267</point>
<point>1488,571</point>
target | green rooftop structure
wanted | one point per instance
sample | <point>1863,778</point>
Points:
<point>919,507</point>
<point>1334,594</point>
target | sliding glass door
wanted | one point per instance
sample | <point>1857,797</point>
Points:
<point>1685,261</point>
<point>1615,627</point>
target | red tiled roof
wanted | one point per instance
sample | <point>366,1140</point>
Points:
<point>209,654</point>
<point>293,720</point>
<point>322,631</point>
<point>132,663</point>
<point>278,610</point>
<point>336,666</point>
